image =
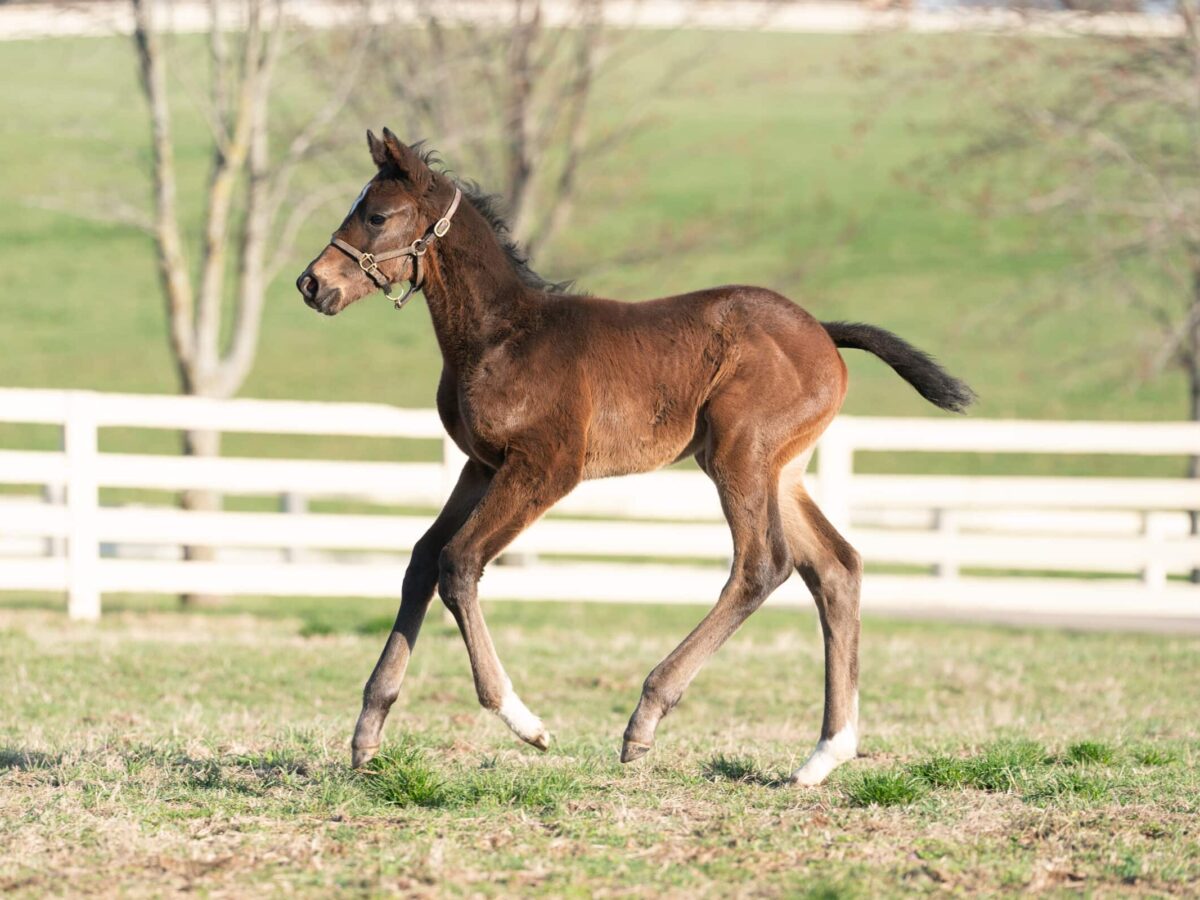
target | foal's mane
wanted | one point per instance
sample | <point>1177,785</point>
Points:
<point>489,206</point>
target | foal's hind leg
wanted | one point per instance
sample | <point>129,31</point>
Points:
<point>421,577</point>
<point>761,562</point>
<point>832,570</point>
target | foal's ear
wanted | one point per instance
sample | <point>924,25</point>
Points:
<point>393,153</point>
<point>378,150</point>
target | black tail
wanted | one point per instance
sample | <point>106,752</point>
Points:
<point>915,366</point>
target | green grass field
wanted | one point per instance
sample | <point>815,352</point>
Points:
<point>753,167</point>
<point>160,752</point>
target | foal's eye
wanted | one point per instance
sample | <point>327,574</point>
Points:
<point>377,219</point>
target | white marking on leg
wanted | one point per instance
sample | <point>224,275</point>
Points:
<point>831,753</point>
<point>516,715</point>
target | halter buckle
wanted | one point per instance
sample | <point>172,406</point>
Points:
<point>366,262</point>
<point>441,226</point>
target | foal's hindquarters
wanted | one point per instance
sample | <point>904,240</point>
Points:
<point>761,424</point>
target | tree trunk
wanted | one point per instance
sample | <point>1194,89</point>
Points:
<point>246,190</point>
<point>200,444</point>
<point>1192,360</point>
<point>518,124</point>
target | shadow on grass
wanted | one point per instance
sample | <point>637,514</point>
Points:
<point>274,763</point>
<point>171,768</point>
<point>740,769</point>
<point>11,758</point>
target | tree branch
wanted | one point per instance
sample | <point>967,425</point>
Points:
<point>172,264</point>
<point>227,168</point>
<point>235,365</point>
<point>102,210</point>
<point>218,54</point>
<point>519,149</point>
<point>302,143</point>
<point>576,100</point>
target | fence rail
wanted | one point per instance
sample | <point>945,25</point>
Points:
<point>1112,543</point>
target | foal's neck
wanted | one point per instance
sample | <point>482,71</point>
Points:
<point>475,297</point>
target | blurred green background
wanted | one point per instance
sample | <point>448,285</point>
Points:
<point>773,159</point>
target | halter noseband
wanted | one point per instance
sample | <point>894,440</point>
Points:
<point>369,262</point>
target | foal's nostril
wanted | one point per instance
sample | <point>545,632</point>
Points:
<point>307,285</point>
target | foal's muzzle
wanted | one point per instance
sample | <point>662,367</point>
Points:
<point>323,300</point>
<point>308,286</point>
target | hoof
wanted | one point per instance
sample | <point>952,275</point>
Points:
<point>360,756</point>
<point>631,750</point>
<point>806,777</point>
<point>827,757</point>
<point>524,724</point>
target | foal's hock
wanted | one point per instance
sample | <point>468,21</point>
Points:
<point>542,388</point>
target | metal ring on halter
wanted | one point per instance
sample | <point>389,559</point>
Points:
<point>398,302</point>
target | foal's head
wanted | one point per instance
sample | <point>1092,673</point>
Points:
<point>396,207</point>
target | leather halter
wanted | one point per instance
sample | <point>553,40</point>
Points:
<point>369,262</point>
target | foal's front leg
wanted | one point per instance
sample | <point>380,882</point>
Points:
<point>519,493</point>
<point>383,686</point>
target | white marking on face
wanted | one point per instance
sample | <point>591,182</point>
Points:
<point>358,199</point>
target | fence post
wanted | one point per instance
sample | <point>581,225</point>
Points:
<point>945,523</point>
<point>293,503</point>
<point>83,500</point>
<point>835,467</point>
<point>55,495</point>
<point>1154,575</point>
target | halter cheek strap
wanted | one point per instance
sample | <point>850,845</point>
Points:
<point>369,262</point>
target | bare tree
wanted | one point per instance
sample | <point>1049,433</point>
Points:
<point>508,98</point>
<point>507,91</point>
<point>1100,136</point>
<point>248,197</point>
<point>505,98</point>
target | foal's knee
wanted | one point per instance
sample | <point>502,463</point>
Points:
<point>764,572</point>
<point>835,580</point>
<point>846,579</point>
<point>458,575</point>
<point>421,576</point>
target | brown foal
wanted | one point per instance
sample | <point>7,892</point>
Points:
<point>542,389</point>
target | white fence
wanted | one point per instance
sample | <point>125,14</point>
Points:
<point>1102,546</point>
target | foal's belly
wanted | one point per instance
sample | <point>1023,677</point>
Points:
<point>622,447</point>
